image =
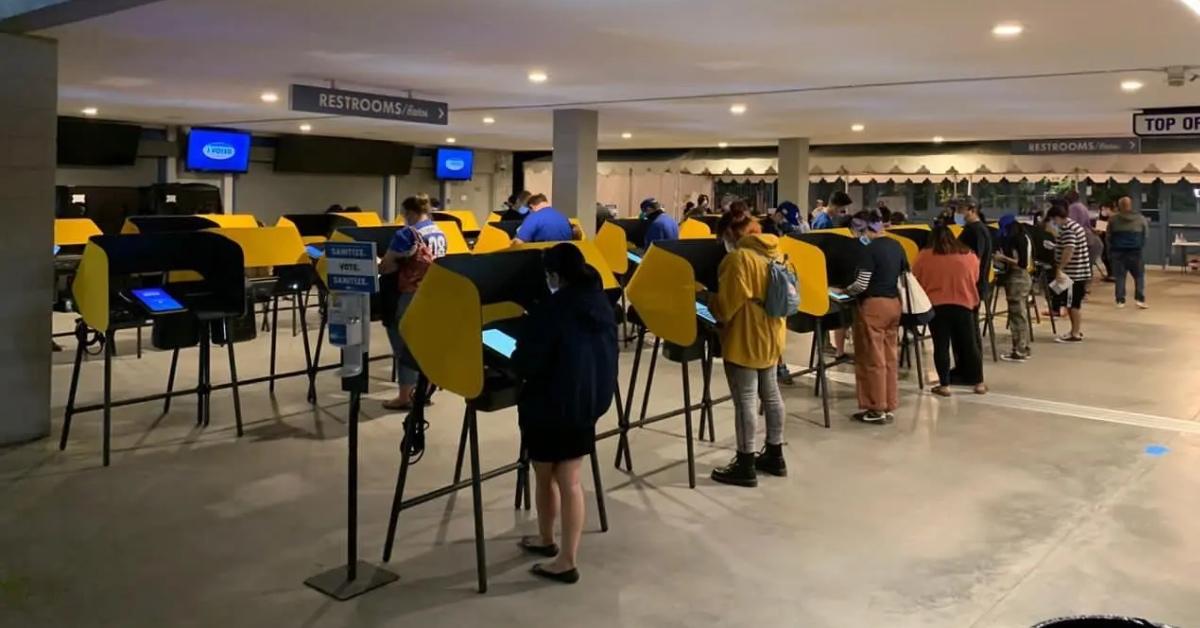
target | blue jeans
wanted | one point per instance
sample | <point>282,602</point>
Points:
<point>1129,261</point>
<point>405,375</point>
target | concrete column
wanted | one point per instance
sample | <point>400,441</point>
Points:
<point>389,198</point>
<point>28,128</point>
<point>793,172</point>
<point>574,185</point>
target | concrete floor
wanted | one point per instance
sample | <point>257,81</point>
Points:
<point>1034,502</point>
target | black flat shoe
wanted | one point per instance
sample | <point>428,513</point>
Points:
<point>530,545</point>
<point>570,576</point>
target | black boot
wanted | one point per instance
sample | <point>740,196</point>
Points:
<point>771,461</point>
<point>739,472</point>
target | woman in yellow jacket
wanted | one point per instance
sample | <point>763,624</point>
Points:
<point>751,344</point>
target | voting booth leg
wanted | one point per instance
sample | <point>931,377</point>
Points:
<point>650,380</point>
<point>916,347</point>
<point>237,398</point>
<point>322,307</point>
<point>462,452</point>
<point>308,363</point>
<point>989,327</point>
<point>599,488</point>
<point>274,338</point>
<point>687,425</point>
<point>171,380</point>
<point>66,430</point>
<point>822,377</point>
<point>202,387</point>
<point>477,500</point>
<point>108,353</point>
<point>623,418</point>
<point>706,410</point>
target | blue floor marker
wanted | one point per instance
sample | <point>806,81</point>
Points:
<point>1156,450</point>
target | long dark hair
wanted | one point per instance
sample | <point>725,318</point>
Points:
<point>943,242</point>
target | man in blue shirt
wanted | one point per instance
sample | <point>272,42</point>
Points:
<point>543,224</point>
<point>659,226</point>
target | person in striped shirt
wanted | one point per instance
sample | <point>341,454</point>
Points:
<point>1074,262</point>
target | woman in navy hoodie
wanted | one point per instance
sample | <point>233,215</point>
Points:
<point>567,356</point>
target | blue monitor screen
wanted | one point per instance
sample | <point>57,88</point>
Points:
<point>455,164</point>
<point>634,257</point>
<point>156,300</point>
<point>314,252</point>
<point>499,342</point>
<point>703,312</point>
<point>212,150</point>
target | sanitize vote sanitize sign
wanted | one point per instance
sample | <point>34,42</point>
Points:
<point>341,102</point>
<point>1167,122</point>
<point>352,267</point>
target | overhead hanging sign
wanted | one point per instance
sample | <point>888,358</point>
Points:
<point>340,102</point>
<point>1078,146</point>
<point>1167,123</point>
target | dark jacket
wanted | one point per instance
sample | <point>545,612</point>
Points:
<point>1127,231</point>
<point>567,356</point>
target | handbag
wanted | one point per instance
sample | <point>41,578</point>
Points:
<point>915,307</point>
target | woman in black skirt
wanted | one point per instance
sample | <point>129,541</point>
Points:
<point>567,356</point>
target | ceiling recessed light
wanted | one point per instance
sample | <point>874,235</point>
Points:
<point>627,135</point>
<point>937,139</point>
<point>489,120</point>
<point>858,128</point>
<point>537,76</point>
<point>1008,29</point>
<point>90,111</point>
<point>722,144</point>
<point>451,140</point>
<point>269,97</point>
<point>737,109</point>
<point>1194,5</point>
<point>1131,86</point>
<point>305,128</point>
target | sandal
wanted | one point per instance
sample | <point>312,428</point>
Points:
<point>531,546</point>
<point>941,391</point>
<point>981,389</point>
<point>570,576</point>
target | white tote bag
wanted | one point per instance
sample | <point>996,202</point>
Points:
<point>915,307</point>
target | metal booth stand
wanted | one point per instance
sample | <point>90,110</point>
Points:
<point>123,280</point>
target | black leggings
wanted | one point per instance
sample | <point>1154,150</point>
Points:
<point>954,332</point>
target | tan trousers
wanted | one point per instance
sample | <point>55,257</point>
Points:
<point>876,353</point>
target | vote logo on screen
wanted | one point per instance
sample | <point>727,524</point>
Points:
<point>219,151</point>
<point>455,165</point>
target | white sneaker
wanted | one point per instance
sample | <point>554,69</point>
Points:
<point>1120,305</point>
<point>1142,305</point>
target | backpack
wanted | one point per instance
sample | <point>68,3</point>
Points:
<point>783,295</point>
<point>413,268</point>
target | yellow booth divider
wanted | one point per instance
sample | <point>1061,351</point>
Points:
<point>285,222</point>
<point>361,219</point>
<point>808,262</point>
<point>91,288</point>
<point>494,217</point>
<point>663,289</point>
<point>233,221</point>
<point>695,230</point>
<point>465,216</point>
<point>591,255</point>
<point>492,239</point>
<point>610,241</point>
<point>74,231</point>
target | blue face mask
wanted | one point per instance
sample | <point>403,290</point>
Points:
<point>524,209</point>
<point>864,239</point>
<point>960,219</point>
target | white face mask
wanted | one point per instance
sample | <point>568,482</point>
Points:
<point>551,285</point>
<point>729,247</point>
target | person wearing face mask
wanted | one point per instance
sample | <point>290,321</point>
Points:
<point>978,238</point>
<point>659,226</point>
<point>518,207</point>
<point>751,345</point>
<point>567,357</point>
<point>876,327</point>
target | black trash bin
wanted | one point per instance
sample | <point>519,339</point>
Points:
<point>1100,621</point>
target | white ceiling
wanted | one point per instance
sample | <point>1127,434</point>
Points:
<point>206,61</point>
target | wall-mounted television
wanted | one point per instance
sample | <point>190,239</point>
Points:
<point>218,150</point>
<point>338,155</point>
<point>454,164</point>
<point>93,143</point>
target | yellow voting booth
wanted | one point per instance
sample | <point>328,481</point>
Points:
<point>74,231</point>
<point>692,229</point>
<point>443,329</point>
